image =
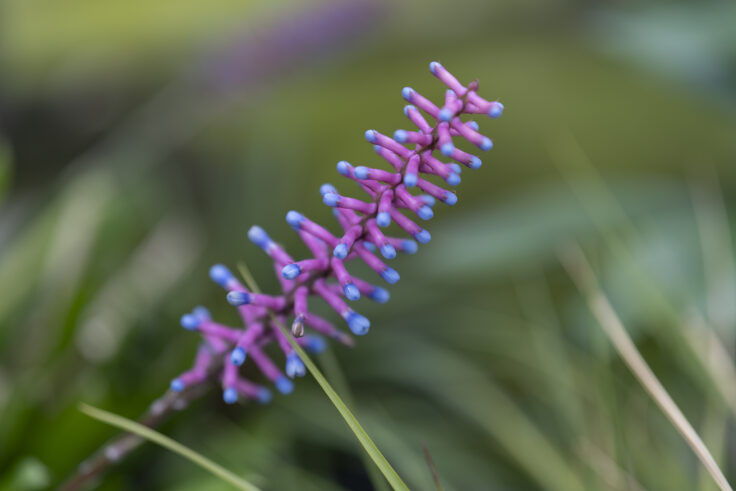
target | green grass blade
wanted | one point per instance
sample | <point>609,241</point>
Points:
<point>388,472</point>
<point>166,442</point>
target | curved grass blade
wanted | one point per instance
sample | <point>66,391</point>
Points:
<point>383,465</point>
<point>166,442</point>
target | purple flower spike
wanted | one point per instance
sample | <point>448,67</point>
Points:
<point>408,188</point>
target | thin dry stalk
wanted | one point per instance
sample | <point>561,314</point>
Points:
<point>582,275</point>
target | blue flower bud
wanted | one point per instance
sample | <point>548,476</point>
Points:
<point>383,219</point>
<point>220,275</point>
<point>258,236</point>
<point>388,251</point>
<point>486,144</point>
<point>380,295</point>
<point>433,66</point>
<point>407,108</point>
<point>410,179</point>
<point>407,93</point>
<point>390,275</point>
<point>291,271</point>
<point>370,135</point>
<point>294,366</point>
<point>361,172</point>
<point>358,324</point>
<point>445,114</point>
<point>475,162</point>
<point>428,200</point>
<point>496,110</point>
<point>295,219</point>
<point>284,385</point>
<point>237,299</point>
<point>327,188</point>
<point>230,395</point>
<point>264,395</point>
<point>340,251</point>
<point>343,167</point>
<point>447,149</point>
<point>190,322</point>
<point>177,385</point>
<point>400,136</point>
<point>425,213</point>
<point>450,199</point>
<point>409,246</point>
<point>351,292</point>
<point>422,236</point>
<point>315,344</point>
<point>238,356</point>
<point>473,125</point>
<point>453,179</point>
<point>330,199</point>
<point>201,313</point>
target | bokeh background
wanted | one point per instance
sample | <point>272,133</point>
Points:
<point>139,140</point>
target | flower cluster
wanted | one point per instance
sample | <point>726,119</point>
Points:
<point>412,157</point>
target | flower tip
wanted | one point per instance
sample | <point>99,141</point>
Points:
<point>330,199</point>
<point>201,313</point>
<point>409,246</point>
<point>410,179</point>
<point>445,114</point>
<point>177,385</point>
<point>486,144</point>
<point>361,172</point>
<point>425,213</point>
<point>230,395</point>
<point>238,356</point>
<point>423,236</point>
<point>294,218</point>
<point>380,295</point>
<point>189,322</point>
<point>370,135</point>
<point>428,200</point>
<point>264,395</point>
<point>291,271</point>
<point>450,199</point>
<point>400,136</point>
<point>473,125</point>
<point>496,110</point>
<point>433,66</point>
<point>315,344</point>
<point>475,162</point>
<point>383,219</point>
<point>351,292</point>
<point>453,179</point>
<point>258,236</point>
<point>447,149</point>
<point>294,366</point>
<point>388,251</point>
<point>327,188</point>
<point>390,275</point>
<point>343,167</point>
<point>340,251</point>
<point>456,168</point>
<point>284,385</point>
<point>407,93</point>
<point>220,274</point>
<point>358,324</point>
<point>408,108</point>
<point>237,299</point>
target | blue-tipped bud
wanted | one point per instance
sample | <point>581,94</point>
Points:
<point>340,251</point>
<point>456,168</point>
<point>447,149</point>
<point>407,108</point>
<point>486,144</point>
<point>189,322</point>
<point>409,246</point>
<point>450,199</point>
<point>343,167</point>
<point>369,245</point>
<point>380,295</point>
<point>428,199</point>
<point>284,385</point>
<point>425,213</point>
<point>390,275</point>
<point>258,236</point>
<point>327,188</point>
<point>453,179</point>
<point>177,385</point>
<point>388,251</point>
<point>358,324</point>
<point>294,366</point>
<point>433,66</point>
<point>377,148</point>
<point>445,114</point>
<point>315,344</point>
<point>264,395</point>
<point>237,299</point>
<point>475,162</point>
<point>496,110</point>
<point>351,292</point>
<point>383,219</point>
<point>423,237</point>
<point>230,395</point>
<point>291,271</point>
<point>361,172</point>
<point>410,179</point>
<point>407,93</point>
<point>330,199</point>
<point>400,136</point>
<point>473,125</point>
<point>201,313</point>
<point>370,135</point>
<point>220,274</point>
<point>294,218</point>
<point>238,356</point>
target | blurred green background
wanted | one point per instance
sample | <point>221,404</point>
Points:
<point>139,140</point>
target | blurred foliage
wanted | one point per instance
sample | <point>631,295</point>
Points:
<point>140,140</point>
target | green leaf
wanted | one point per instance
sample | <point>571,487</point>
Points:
<point>166,442</point>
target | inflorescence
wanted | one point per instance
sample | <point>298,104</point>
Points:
<point>411,156</point>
